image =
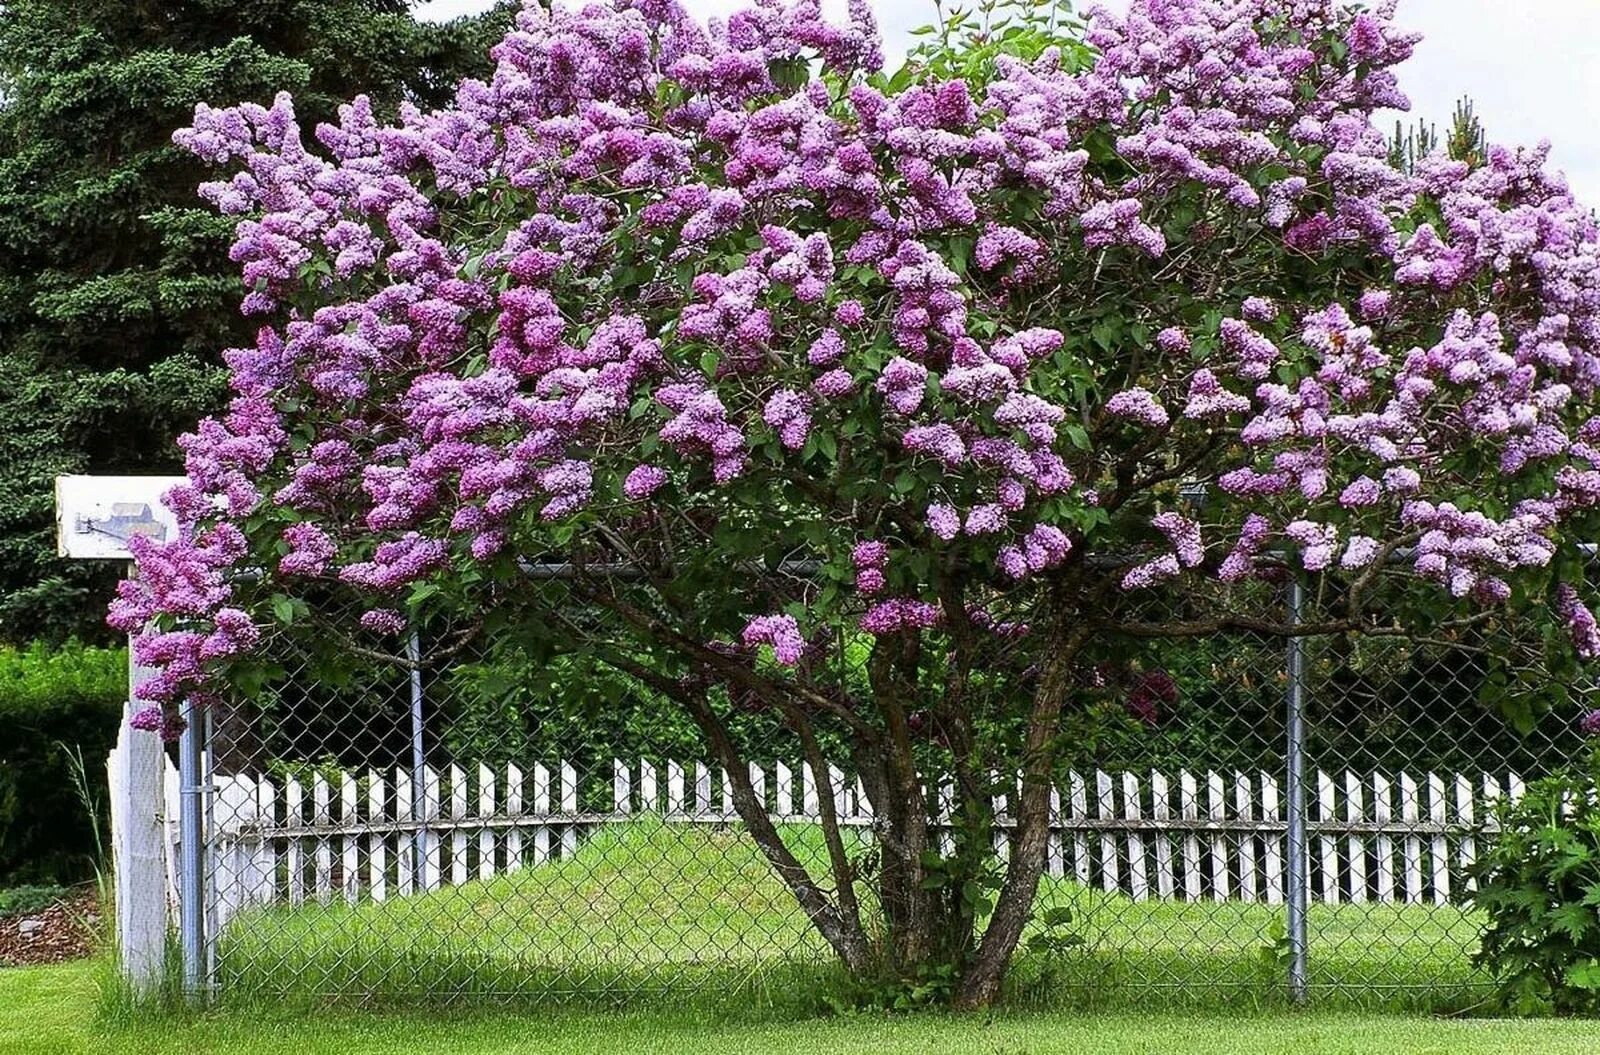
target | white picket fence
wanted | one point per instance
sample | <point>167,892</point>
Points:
<point>1195,836</point>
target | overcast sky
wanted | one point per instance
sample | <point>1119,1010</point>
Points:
<point>1531,66</point>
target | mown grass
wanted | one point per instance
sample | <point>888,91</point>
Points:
<point>51,1011</point>
<point>650,915</point>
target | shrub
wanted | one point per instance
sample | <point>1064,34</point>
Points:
<point>18,900</point>
<point>893,405</point>
<point>1539,882</point>
<point>54,704</point>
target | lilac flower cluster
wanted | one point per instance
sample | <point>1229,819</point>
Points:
<point>1580,622</point>
<point>870,559</point>
<point>383,621</point>
<point>1208,399</point>
<point>903,384</point>
<point>789,413</point>
<point>1464,549</point>
<point>1184,535</point>
<point>1318,543</point>
<point>779,631</point>
<point>1240,562</point>
<point>643,481</point>
<point>1044,547</point>
<point>311,551</point>
<point>1138,404</point>
<point>900,614</point>
<point>155,719</point>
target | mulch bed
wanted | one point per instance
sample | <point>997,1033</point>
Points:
<point>68,932</point>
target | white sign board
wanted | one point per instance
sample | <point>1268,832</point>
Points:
<point>97,515</point>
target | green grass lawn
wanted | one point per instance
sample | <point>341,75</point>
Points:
<point>647,913</point>
<point>672,938</point>
<point>53,1011</point>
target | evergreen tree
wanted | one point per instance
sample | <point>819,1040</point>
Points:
<point>116,294</point>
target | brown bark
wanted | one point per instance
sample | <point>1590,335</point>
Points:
<point>234,743</point>
<point>903,833</point>
<point>842,931</point>
<point>838,920</point>
<point>980,983</point>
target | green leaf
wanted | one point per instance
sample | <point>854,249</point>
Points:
<point>1585,975</point>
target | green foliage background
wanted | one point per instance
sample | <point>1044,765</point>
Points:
<point>116,294</point>
<point>54,704</point>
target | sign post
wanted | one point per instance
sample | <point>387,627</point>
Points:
<point>96,517</point>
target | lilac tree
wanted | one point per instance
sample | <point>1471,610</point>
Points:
<point>832,393</point>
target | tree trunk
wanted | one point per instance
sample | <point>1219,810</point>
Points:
<point>841,929</point>
<point>981,982</point>
<point>234,743</point>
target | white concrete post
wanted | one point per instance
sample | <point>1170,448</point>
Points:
<point>137,770</point>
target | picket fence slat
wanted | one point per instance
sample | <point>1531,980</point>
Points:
<point>428,845</point>
<point>1138,882</point>
<point>569,806</point>
<point>702,789</point>
<point>1327,810</point>
<point>377,848</point>
<point>322,813</point>
<point>378,835</point>
<point>1191,839</point>
<point>649,800</point>
<point>405,858</point>
<point>1080,842</point>
<point>1056,861</point>
<point>1160,812</point>
<point>458,836</point>
<point>1410,811</point>
<point>350,857</point>
<point>1274,842</point>
<point>294,815</point>
<point>675,788</point>
<point>486,808</point>
<point>621,787</point>
<point>541,808</point>
<point>1218,806</point>
<point>265,873</point>
<point>1438,851</point>
<point>1244,804</point>
<point>513,812</point>
<point>784,778</point>
<point>1383,813</point>
<point>1106,810</point>
<point>1355,813</point>
<point>1467,848</point>
<point>758,783</point>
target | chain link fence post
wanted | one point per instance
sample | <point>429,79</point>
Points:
<point>419,839</point>
<point>191,874</point>
<point>1299,886</point>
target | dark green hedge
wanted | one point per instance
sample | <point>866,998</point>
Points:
<point>54,704</point>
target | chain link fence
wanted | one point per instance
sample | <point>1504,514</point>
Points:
<point>452,817</point>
